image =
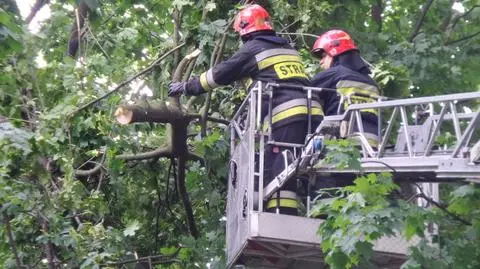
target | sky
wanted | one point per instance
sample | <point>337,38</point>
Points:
<point>25,7</point>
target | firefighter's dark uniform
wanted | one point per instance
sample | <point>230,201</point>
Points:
<point>268,58</point>
<point>348,74</point>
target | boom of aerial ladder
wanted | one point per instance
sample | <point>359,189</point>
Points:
<point>407,144</point>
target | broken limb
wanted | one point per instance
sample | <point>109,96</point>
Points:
<point>163,112</point>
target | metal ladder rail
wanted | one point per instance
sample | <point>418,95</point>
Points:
<point>400,106</point>
<point>428,162</point>
<point>427,159</point>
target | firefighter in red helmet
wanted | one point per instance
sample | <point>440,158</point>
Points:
<point>264,57</point>
<point>348,73</point>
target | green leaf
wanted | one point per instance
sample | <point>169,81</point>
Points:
<point>364,248</point>
<point>463,191</point>
<point>92,4</point>
<point>338,260</point>
<point>131,228</point>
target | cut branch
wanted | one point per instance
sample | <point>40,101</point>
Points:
<point>418,25</point>
<point>163,112</point>
<point>126,82</point>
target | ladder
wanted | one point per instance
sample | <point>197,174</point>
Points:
<point>406,145</point>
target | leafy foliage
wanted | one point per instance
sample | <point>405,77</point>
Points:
<point>368,210</point>
<point>131,209</point>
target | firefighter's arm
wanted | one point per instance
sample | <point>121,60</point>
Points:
<point>330,100</point>
<point>224,73</point>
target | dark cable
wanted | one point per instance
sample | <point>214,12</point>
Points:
<point>380,162</point>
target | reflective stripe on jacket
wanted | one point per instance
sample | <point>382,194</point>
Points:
<point>358,93</point>
<point>347,82</point>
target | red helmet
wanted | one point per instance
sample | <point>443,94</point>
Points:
<point>333,42</point>
<point>251,19</point>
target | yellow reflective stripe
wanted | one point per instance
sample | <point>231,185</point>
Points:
<point>203,81</point>
<point>273,52</point>
<point>358,85</point>
<point>272,203</point>
<point>247,82</point>
<point>351,90</point>
<point>295,111</point>
<point>359,99</point>
<point>277,59</point>
<point>293,103</point>
<point>287,70</point>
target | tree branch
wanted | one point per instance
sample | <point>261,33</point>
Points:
<point>420,20</point>
<point>176,34</point>
<point>75,35</point>
<point>206,107</point>
<point>121,85</point>
<point>36,7</point>
<point>189,70</point>
<point>457,18</point>
<point>447,18</point>
<point>158,153</point>
<point>443,208</point>
<point>192,227</point>
<point>376,10</point>
<point>212,119</point>
<point>49,248</point>
<point>94,170</point>
<point>11,241</point>
<point>163,112</point>
<point>89,29</point>
<point>462,39</point>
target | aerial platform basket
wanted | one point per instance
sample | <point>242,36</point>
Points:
<point>405,144</point>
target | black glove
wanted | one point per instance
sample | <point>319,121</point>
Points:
<point>176,88</point>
